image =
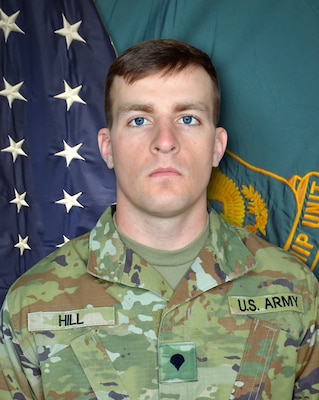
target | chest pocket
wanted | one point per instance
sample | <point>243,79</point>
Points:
<point>118,363</point>
<point>97,366</point>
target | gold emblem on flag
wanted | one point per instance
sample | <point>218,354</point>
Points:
<point>237,203</point>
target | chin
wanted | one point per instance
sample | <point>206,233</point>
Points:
<point>165,210</point>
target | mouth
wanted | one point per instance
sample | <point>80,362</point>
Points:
<point>164,173</point>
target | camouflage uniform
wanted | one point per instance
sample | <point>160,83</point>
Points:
<point>95,321</point>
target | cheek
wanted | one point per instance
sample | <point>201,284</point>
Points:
<point>201,168</point>
<point>126,163</point>
<point>121,163</point>
<point>122,152</point>
<point>206,155</point>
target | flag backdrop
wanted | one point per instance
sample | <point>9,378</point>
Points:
<point>54,57</point>
<point>266,53</point>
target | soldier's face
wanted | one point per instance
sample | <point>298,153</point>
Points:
<point>163,143</point>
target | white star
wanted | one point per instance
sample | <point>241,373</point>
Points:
<point>70,31</point>
<point>70,153</point>
<point>8,25</point>
<point>70,201</point>
<point>65,240</point>
<point>15,148</point>
<point>12,92</point>
<point>70,95</point>
<point>19,200</point>
<point>23,244</point>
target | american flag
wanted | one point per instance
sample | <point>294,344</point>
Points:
<point>54,57</point>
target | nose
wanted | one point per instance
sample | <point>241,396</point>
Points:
<point>165,138</point>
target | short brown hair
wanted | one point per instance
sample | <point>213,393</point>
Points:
<point>153,56</point>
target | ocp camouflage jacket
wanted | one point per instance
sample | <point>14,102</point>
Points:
<point>95,321</point>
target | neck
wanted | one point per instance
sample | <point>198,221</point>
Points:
<point>170,233</point>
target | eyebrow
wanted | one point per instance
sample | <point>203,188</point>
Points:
<point>199,106</point>
<point>127,107</point>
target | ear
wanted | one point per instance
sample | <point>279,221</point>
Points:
<point>105,146</point>
<point>219,145</point>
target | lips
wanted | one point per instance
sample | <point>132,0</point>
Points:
<point>164,173</point>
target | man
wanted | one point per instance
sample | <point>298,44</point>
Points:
<point>162,300</point>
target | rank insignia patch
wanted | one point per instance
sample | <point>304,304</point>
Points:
<point>177,362</point>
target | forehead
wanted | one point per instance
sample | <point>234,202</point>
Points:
<point>191,82</point>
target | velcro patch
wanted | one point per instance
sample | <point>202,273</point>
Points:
<point>177,362</point>
<point>243,305</point>
<point>58,320</point>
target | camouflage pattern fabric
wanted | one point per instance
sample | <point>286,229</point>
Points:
<point>94,321</point>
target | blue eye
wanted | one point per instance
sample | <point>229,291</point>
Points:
<point>139,121</point>
<point>189,120</point>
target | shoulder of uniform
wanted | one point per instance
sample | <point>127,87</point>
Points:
<point>73,252</point>
<point>276,260</point>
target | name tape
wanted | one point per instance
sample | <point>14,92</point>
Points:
<point>58,320</point>
<point>264,304</point>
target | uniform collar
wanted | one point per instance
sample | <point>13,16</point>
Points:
<point>223,258</point>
